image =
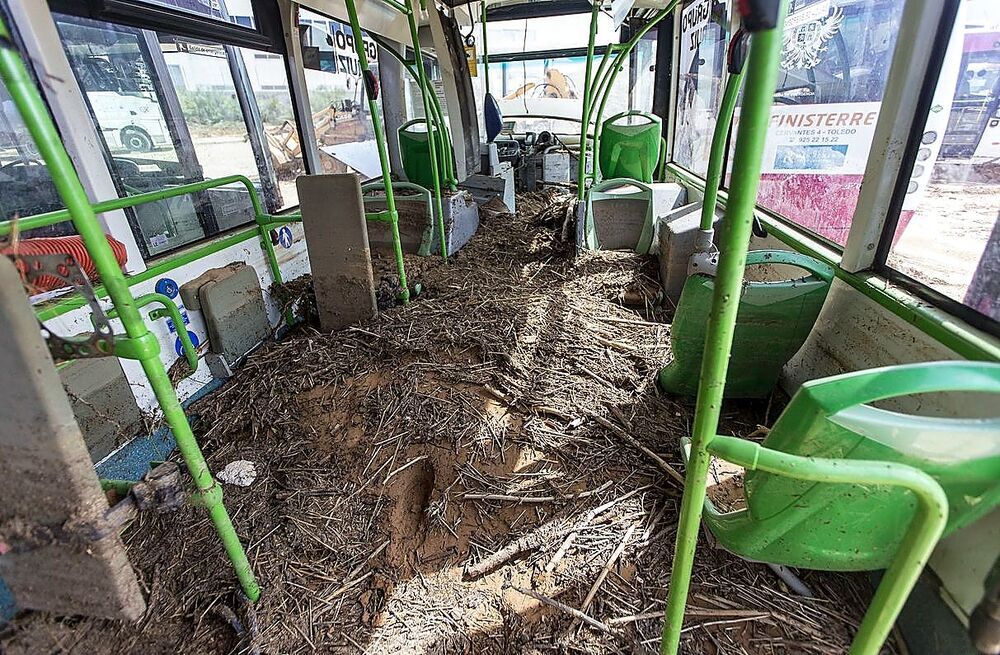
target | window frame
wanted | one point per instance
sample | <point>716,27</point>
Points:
<point>155,20</point>
<point>908,159</point>
<point>155,17</point>
<point>862,264</point>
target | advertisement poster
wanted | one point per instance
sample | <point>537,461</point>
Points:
<point>833,138</point>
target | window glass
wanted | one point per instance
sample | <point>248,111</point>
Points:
<point>642,77</point>
<point>947,236</point>
<point>344,131</point>
<point>834,65</point>
<point>704,34</point>
<point>414,103</point>
<point>549,33</point>
<point>231,11</point>
<point>26,187</point>
<point>269,82</point>
<point>173,111</point>
<point>539,93</point>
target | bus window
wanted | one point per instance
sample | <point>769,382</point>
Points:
<point>412,99</point>
<point>545,91</point>
<point>26,188</point>
<point>170,112</point>
<point>231,11</point>
<point>835,62</point>
<point>269,82</point>
<point>344,132</point>
<point>947,236</point>
<point>704,33</point>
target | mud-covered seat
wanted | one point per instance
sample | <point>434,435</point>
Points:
<point>842,485</point>
<point>619,216</point>
<point>773,321</point>
<point>416,231</point>
<point>630,146</point>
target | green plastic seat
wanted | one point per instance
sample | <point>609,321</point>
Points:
<point>415,151</point>
<point>842,485</point>
<point>629,146</point>
<point>773,321</point>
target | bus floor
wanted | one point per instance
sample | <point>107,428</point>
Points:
<point>452,475</point>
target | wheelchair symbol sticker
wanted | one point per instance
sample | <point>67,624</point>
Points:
<point>285,237</point>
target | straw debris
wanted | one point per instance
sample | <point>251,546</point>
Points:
<point>489,469</point>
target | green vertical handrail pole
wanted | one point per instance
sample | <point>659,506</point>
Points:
<point>486,49</point>
<point>383,153</point>
<point>260,218</point>
<point>265,238</point>
<point>418,63</point>
<point>762,75</point>
<point>600,82</point>
<point>448,150</point>
<point>597,83</point>
<point>717,156</point>
<point>616,68</point>
<point>588,81</point>
<point>72,193</point>
<point>446,161</point>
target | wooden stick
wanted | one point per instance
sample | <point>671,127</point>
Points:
<point>590,516</point>
<point>536,499</point>
<point>572,611</point>
<point>607,568</point>
<point>663,466</point>
<point>693,612</point>
<point>528,542</point>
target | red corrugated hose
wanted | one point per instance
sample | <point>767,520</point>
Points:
<point>59,245</point>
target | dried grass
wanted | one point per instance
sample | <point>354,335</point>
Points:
<point>480,426</point>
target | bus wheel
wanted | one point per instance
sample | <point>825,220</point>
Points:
<point>136,139</point>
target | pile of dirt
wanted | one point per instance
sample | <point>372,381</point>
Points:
<point>489,469</point>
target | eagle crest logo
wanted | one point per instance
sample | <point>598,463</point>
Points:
<point>802,46</point>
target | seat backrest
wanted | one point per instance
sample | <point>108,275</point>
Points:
<point>493,117</point>
<point>415,151</point>
<point>630,146</point>
<point>773,322</point>
<point>834,418</point>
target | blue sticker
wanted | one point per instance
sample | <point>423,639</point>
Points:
<point>167,287</point>
<point>285,236</point>
<point>179,346</point>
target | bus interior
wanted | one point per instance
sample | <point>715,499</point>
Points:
<point>433,326</point>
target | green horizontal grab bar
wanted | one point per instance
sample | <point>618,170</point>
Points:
<point>60,215</point>
<point>171,310</point>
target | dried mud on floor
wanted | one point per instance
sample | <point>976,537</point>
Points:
<point>438,479</point>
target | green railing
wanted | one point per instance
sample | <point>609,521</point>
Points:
<point>597,87</point>
<point>438,139</point>
<point>138,342</point>
<point>263,220</point>
<point>761,80</point>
